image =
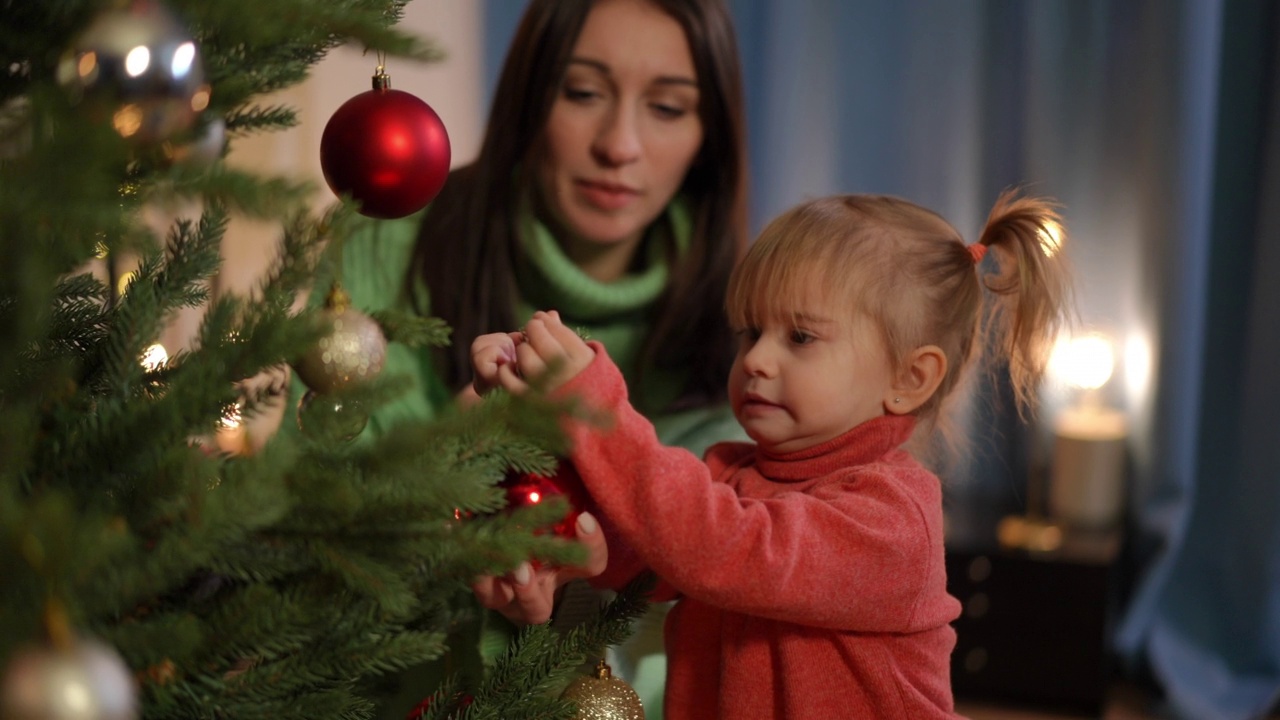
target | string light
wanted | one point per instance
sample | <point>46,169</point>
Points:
<point>154,357</point>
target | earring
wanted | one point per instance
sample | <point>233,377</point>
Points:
<point>897,400</point>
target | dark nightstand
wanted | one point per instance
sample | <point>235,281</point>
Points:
<point>1035,624</point>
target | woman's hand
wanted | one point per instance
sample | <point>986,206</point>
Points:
<point>527,596</point>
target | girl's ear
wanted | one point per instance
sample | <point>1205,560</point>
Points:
<point>919,379</point>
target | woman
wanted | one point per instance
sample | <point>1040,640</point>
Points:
<point>610,185</point>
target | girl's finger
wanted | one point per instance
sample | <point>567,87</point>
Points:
<point>530,359</point>
<point>510,380</point>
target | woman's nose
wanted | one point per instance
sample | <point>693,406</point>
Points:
<point>617,141</point>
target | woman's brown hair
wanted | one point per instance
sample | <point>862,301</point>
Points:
<point>468,248</point>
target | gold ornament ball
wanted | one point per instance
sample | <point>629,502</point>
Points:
<point>601,696</point>
<point>87,681</point>
<point>353,352</point>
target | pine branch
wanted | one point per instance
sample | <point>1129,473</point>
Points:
<point>192,258</point>
<point>254,196</point>
<point>411,329</point>
<point>77,324</point>
<point>256,118</point>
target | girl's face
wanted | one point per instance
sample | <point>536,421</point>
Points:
<point>623,131</point>
<point>804,378</point>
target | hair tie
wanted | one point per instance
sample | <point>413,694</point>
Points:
<point>977,251</point>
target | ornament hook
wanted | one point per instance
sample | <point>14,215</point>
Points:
<point>381,80</point>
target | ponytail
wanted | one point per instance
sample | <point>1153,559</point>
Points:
<point>1030,290</point>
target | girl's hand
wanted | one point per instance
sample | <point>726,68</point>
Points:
<point>489,355</point>
<point>552,353</point>
<point>527,596</point>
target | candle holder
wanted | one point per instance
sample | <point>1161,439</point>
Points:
<point>1086,470</point>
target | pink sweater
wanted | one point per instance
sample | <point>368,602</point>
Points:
<point>811,584</point>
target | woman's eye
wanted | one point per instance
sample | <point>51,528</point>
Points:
<point>668,112</point>
<point>575,94</point>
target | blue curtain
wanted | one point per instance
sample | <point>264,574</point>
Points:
<point>1157,124</point>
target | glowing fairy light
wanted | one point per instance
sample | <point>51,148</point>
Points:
<point>154,357</point>
<point>232,418</point>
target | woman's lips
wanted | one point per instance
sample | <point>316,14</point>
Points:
<point>607,196</point>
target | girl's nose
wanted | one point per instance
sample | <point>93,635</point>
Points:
<point>758,360</point>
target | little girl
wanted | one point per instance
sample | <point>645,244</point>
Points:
<point>809,565</point>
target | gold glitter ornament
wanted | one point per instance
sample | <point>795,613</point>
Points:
<point>601,696</point>
<point>354,351</point>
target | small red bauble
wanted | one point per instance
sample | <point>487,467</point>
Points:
<point>526,489</point>
<point>387,149</point>
<point>417,712</point>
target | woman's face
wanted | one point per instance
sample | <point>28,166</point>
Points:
<point>623,131</point>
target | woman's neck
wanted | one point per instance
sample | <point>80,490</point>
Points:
<point>603,263</point>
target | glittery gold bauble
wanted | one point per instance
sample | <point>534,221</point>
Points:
<point>353,352</point>
<point>86,681</point>
<point>601,696</point>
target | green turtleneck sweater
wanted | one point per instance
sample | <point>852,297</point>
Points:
<point>373,270</point>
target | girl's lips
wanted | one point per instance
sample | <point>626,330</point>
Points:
<point>753,405</point>
<point>607,196</point>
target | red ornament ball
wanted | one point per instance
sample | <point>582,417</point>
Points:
<point>461,701</point>
<point>526,489</point>
<point>387,149</point>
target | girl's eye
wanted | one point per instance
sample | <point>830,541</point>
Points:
<point>747,336</point>
<point>800,337</point>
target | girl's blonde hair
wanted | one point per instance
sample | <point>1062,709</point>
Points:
<point>909,271</point>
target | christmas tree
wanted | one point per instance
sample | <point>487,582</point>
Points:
<point>143,570</point>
